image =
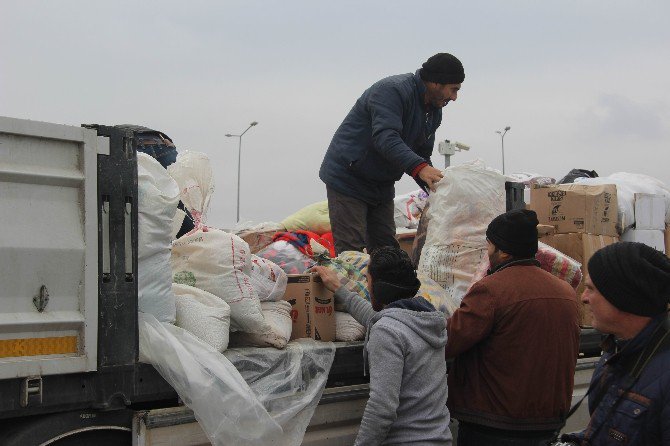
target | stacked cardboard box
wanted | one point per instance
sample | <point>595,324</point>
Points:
<point>584,220</point>
<point>649,222</point>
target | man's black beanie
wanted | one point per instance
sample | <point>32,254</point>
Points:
<point>442,68</point>
<point>633,277</point>
<point>515,232</point>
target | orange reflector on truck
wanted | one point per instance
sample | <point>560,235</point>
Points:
<point>10,348</point>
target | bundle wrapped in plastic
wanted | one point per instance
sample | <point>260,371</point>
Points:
<point>203,314</point>
<point>208,258</point>
<point>437,296</point>
<point>407,208</point>
<point>287,257</point>
<point>276,331</point>
<point>158,196</point>
<point>268,279</point>
<point>551,260</point>
<point>347,329</point>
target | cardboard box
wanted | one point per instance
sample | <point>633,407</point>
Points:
<point>576,208</point>
<point>649,211</point>
<point>650,237</point>
<point>313,311</point>
<point>406,240</point>
<point>580,247</point>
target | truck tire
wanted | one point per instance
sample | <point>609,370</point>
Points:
<point>113,428</point>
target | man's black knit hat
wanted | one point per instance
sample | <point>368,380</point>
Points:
<point>515,232</point>
<point>633,277</point>
<point>442,68</point>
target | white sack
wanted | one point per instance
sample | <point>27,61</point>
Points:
<point>347,329</point>
<point>276,332</point>
<point>208,258</point>
<point>203,314</point>
<point>627,185</point>
<point>268,279</point>
<point>466,200</point>
<point>158,196</point>
<point>407,208</point>
<point>219,263</point>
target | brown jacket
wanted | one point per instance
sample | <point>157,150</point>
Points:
<point>515,340</point>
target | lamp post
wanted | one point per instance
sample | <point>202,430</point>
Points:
<point>502,142</point>
<point>239,158</point>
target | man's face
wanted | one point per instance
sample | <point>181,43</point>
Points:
<point>606,317</point>
<point>495,255</point>
<point>439,95</point>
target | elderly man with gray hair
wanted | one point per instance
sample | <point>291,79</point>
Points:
<point>628,291</point>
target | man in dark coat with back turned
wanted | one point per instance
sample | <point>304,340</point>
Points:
<point>515,341</point>
<point>389,131</point>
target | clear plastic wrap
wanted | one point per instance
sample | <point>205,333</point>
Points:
<point>250,396</point>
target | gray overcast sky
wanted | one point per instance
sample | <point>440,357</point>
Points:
<point>581,83</point>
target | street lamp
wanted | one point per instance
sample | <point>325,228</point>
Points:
<point>502,142</point>
<point>239,158</point>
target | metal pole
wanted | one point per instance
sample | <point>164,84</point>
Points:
<point>502,142</point>
<point>239,163</point>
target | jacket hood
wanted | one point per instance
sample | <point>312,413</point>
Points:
<point>419,316</point>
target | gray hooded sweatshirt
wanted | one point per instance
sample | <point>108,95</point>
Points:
<point>404,345</point>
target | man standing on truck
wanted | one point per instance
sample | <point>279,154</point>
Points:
<point>389,130</point>
<point>628,291</point>
<point>514,341</point>
<point>405,342</point>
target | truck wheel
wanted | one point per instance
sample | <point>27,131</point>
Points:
<point>112,428</point>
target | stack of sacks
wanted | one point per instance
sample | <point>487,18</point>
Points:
<point>314,217</point>
<point>203,314</point>
<point>269,281</point>
<point>464,203</point>
<point>208,258</point>
<point>275,333</point>
<point>158,196</point>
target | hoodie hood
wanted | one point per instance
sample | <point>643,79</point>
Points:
<point>419,316</point>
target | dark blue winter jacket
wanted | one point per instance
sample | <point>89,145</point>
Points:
<point>388,131</point>
<point>641,417</point>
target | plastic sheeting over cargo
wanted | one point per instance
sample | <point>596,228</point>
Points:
<point>271,402</point>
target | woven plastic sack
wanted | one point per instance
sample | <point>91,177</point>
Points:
<point>314,217</point>
<point>347,329</point>
<point>268,279</point>
<point>208,258</point>
<point>203,314</point>
<point>464,203</point>
<point>452,266</point>
<point>158,195</point>
<point>276,332</point>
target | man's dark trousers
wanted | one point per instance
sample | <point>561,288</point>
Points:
<point>357,224</point>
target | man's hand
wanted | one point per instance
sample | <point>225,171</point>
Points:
<point>431,176</point>
<point>329,277</point>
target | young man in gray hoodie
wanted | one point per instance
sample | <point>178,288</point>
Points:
<point>404,345</point>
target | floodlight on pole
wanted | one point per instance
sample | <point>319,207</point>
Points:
<point>239,162</point>
<point>502,143</point>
